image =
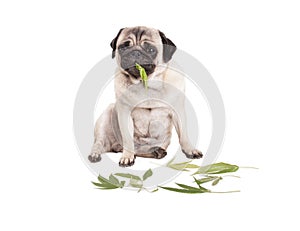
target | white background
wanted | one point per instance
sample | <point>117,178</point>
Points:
<point>252,50</point>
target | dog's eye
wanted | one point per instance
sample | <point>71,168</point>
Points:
<point>124,45</point>
<point>150,50</point>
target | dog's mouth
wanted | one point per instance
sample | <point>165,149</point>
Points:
<point>134,72</point>
<point>130,58</point>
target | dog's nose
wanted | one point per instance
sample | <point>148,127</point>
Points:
<point>135,54</point>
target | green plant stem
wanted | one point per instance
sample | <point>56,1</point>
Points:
<point>249,167</point>
<point>149,191</point>
<point>231,176</point>
<point>233,191</point>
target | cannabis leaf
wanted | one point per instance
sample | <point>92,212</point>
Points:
<point>110,183</point>
<point>207,173</point>
<point>217,168</point>
<point>128,175</point>
<point>205,179</point>
<point>186,189</point>
<point>216,181</point>
<point>183,166</point>
<point>136,181</point>
<point>147,174</point>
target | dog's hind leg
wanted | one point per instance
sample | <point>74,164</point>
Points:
<point>154,152</point>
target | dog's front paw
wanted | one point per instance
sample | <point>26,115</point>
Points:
<point>193,154</point>
<point>127,159</point>
<point>94,157</point>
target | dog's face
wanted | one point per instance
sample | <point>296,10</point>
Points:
<point>145,46</point>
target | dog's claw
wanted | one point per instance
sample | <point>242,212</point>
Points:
<point>193,154</point>
<point>126,162</point>
<point>94,157</point>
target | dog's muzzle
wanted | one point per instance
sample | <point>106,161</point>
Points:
<point>129,60</point>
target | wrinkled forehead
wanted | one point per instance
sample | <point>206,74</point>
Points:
<point>138,34</point>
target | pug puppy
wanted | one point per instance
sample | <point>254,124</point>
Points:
<point>139,125</point>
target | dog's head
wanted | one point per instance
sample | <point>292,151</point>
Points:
<point>146,46</point>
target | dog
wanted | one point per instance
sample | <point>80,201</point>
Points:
<point>133,125</point>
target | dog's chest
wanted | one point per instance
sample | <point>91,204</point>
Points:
<point>151,122</point>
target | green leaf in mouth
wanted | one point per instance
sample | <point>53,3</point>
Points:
<point>143,75</point>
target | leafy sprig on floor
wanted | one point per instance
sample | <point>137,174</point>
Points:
<point>210,173</point>
<point>207,174</point>
<point>183,166</point>
<point>111,183</point>
<point>134,181</point>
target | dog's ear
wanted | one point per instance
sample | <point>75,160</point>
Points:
<point>168,47</point>
<point>113,43</point>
